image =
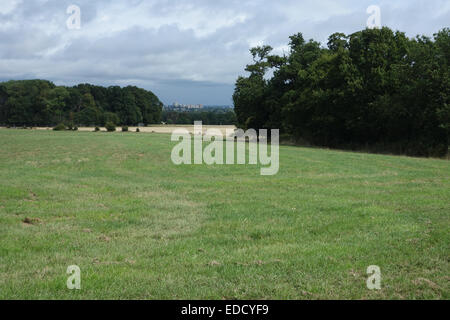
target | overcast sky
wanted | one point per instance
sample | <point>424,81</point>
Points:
<point>190,51</point>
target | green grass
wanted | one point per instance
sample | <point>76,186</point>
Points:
<point>140,227</point>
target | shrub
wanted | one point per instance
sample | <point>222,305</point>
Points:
<point>125,129</point>
<point>111,127</point>
<point>60,127</point>
<point>111,117</point>
<point>138,130</point>
<point>97,129</point>
<point>75,128</point>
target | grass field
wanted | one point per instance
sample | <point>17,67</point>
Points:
<point>140,227</point>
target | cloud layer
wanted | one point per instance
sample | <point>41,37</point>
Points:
<point>186,51</point>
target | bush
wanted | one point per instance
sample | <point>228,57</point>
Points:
<point>97,129</point>
<point>125,129</point>
<point>138,130</point>
<point>111,117</point>
<point>75,128</point>
<point>60,127</point>
<point>110,127</point>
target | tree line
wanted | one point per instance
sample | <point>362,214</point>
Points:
<point>208,117</point>
<point>374,89</point>
<point>41,103</point>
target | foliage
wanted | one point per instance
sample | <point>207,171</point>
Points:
<point>210,117</point>
<point>110,127</point>
<point>41,103</point>
<point>375,89</point>
<point>60,127</point>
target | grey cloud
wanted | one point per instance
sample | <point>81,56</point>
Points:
<point>190,51</point>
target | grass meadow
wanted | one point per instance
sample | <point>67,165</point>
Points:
<point>140,227</point>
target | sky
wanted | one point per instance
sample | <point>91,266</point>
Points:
<point>186,51</point>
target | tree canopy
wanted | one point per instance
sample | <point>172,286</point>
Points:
<point>41,103</point>
<point>374,88</point>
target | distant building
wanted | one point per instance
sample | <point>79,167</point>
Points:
<point>184,107</point>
